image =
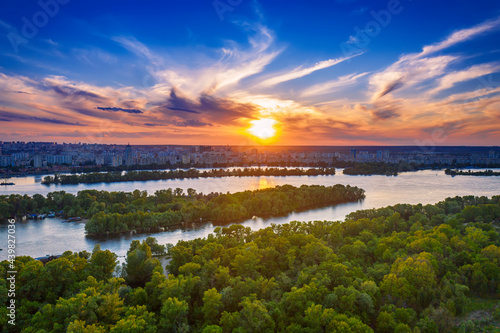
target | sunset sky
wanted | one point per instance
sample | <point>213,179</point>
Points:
<point>337,72</point>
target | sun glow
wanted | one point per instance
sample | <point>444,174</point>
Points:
<point>263,129</point>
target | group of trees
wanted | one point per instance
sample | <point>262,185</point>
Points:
<point>405,268</point>
<point>471,173</point>
<point>118,176</point>
<point>116,212</point>
<point>163,209</point>
<point>380,168</point>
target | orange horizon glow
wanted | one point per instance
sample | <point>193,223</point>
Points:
<point>264,130</point>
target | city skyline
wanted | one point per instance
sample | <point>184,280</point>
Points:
<point>346,72</point>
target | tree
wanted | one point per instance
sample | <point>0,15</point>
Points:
<point>212,306</point>
<point>102,263</point>
<point>139,264</point>
<point>174,316</point>
<point>79,326</point>
<point>137,320</point>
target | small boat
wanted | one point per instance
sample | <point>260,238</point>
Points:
<point>74,219</point>
<point>5,183</point>
<point>51,215</point>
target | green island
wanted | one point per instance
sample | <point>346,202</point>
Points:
<point>380,168</point>
<point>118,212</point>
<point>130,176</point>
<point>403,268</point>
<point>471,173</point>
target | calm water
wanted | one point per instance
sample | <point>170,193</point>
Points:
<point>51,236</point>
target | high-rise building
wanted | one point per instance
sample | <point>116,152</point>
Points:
<point>116,160</point>
<point>129,156</point>
<point>37,161</point>
<point>354,153</point>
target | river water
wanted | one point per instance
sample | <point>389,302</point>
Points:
<point>52,236</point>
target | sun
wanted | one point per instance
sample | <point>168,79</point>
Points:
<point>263,129</point>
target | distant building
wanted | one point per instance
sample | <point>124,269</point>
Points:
<point>37,161</point>
<point>129,156</point>
<point>59,159</point>
<point>6,160</point>
<point>116,160</point>
<point>186,159</point>
<point>354,153</point>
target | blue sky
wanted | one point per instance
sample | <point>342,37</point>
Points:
<point>190,72</point>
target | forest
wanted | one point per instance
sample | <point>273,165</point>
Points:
<point>117,212</point>
<point>471,173</point>
<point>130,176</point>
<point>403,268</point>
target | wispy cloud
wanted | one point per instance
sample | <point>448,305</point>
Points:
<point>113,109</point>
<point>459,37</point>
<point>301,72</point>
<point>473,72</point>
<point>12,116</point>
<point>330,86</point>
<point>414,68</point>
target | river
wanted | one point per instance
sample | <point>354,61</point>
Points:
<point>52,236</point>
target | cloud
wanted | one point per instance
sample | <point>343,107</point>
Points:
<point>113,109</point>
<point>8,116</point>
<point>448,127</point>
<point>414,68</point>
<point>408,73</point>
<point>179,123</point>
<point>224,111</point>
<point>234,62</point>
<point>459,37</point>
<point>398,83</point>
<point>473,94</point>
<point>384,114</point>
<point>301,72</point>
<point>138,48</point>
<point>183,110</point>
<point>473,72</point>
<point>330,86</point>
<point>57,84</point>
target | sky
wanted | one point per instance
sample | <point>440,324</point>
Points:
<point>244,72</point>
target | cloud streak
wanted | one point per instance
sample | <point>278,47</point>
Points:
<point>334,85</point>
<point>415,68</point>
<point>301,72</point>
<point>113,109</point>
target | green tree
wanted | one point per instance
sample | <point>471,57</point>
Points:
<point>174,316</point>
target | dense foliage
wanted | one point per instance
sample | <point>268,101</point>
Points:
<point>116,212</point>
<point>161,211</point>
<point>405,268</point>
<point>471,173</point>
<point>118,176</point>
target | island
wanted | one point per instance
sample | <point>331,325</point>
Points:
<point>130,176</point>
<point>471,173</point>
<point>137,212</point>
